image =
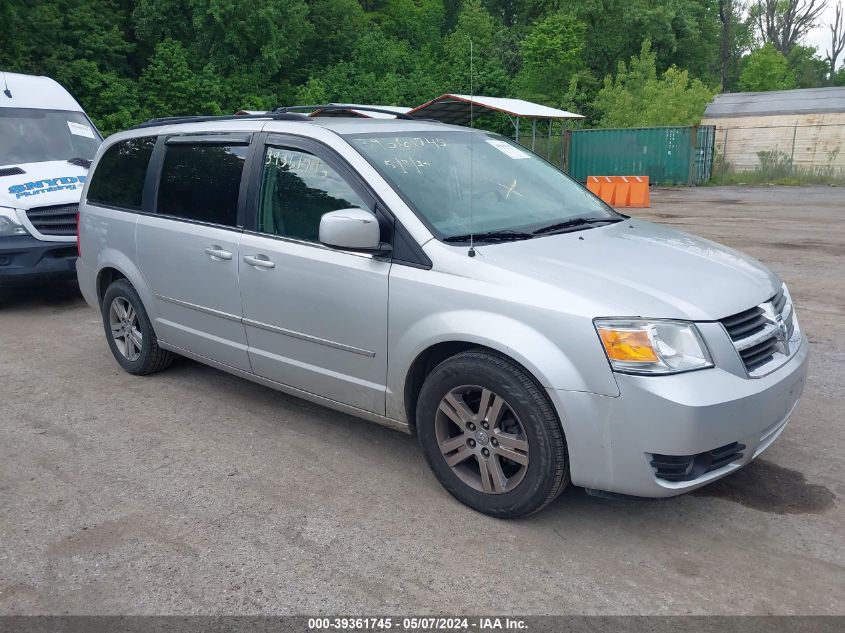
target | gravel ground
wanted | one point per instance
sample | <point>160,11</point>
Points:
<point>193,492</point>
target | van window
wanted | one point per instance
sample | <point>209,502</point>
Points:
<point>201,183</point>
<point>512,189</point>
<point>118,180</point>
<point>33,135</point>
<point>297,188</point>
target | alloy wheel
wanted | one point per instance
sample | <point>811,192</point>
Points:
<point>482,439</point>
<point>125,328</point>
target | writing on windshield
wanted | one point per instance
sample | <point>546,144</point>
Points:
<point>467,180</point>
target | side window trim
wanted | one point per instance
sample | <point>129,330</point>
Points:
<point>149,198</point>
<point>223,138</point>
<point>254,151</point>
<point>253,192</point>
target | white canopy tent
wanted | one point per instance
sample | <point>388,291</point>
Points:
<point>350,110</point>
<point>456,109</point>
<point>459,109</point>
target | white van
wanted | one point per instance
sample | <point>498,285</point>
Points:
<point>46,146</point>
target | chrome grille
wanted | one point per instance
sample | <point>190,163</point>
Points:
<point>762,334</point>
<point>56,220</point>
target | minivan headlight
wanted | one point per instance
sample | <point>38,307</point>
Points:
<point>9,224</point>
<point>637,346</point>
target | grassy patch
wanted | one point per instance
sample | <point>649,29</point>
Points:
<point>776,168</point>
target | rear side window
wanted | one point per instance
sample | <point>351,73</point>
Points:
<point>201,183</point>
<point>118,180</point>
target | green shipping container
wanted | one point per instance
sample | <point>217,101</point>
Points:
<point>667,155</point>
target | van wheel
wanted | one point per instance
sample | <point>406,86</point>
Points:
<point>491,435</point>
<point>129,331</point>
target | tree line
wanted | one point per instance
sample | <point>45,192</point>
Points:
<point>618,62</point>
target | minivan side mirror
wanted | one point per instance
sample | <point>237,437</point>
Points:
<point>353,229</point>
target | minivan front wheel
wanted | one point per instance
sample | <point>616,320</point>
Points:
<point>129,331</point>
<point>490,435</point>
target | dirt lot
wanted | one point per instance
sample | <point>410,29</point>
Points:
<point>195,492</point>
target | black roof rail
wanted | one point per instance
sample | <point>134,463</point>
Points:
<point>335,107</point>
<point>172,120</point>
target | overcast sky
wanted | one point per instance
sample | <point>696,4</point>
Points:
<point>820,36</point>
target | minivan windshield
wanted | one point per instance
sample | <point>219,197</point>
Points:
<point>29,135</point>
<point>472,181</point>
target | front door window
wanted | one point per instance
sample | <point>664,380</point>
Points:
<point>297,188</point>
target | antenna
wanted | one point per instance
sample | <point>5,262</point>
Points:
<point>6,92</point>
<point>471,251</point>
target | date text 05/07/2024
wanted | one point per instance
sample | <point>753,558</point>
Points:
<point>454,624</point>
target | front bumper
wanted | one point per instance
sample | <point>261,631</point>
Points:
<point>26,260</point>
<point>612,440</point>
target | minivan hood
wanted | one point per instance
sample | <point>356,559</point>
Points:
<point>42,184</point>
<point>637,268</point>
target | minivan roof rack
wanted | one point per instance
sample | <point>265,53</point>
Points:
<point>276,116</point>
<point>336,107</point>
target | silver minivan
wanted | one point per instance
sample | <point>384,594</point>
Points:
<point>446,282</point>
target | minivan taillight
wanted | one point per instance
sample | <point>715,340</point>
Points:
<point>78,245</point>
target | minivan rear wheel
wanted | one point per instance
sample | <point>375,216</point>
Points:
<point>491,435</point>
<point>129,331</point>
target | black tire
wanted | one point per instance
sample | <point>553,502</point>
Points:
<point>546,473</point>
<point>151,357</point>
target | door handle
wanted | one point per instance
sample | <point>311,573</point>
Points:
<point>259,261</point>
<point>218,252</point>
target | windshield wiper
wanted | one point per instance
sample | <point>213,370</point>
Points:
<point>573,224</point>
<point>491,236</point>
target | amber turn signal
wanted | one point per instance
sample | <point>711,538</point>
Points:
<point>628,345</point>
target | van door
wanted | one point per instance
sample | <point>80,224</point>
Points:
<point>315,317</point>
<point>189,249</point>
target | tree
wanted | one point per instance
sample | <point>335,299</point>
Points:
<point>784,23</point>
<point>155,20</point>
<point>551,56</point>
<point>506,11</point>
<point>126,60</point>
<point>488,77</point>
<point>381,70</point>
<point>169,86</point>
<point>259,37</point>
<point>638,97</point>
<point>682,32</point>
<point>726,17</point>
<point>766,69</point>
<point>80,43</point>
<point>810,70</point>
<point>837,40</point>
<point>418,22</point>
<point>736,39</point>
<point>581,94</point>
<point>336,28</point>
<point>111,100</point>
